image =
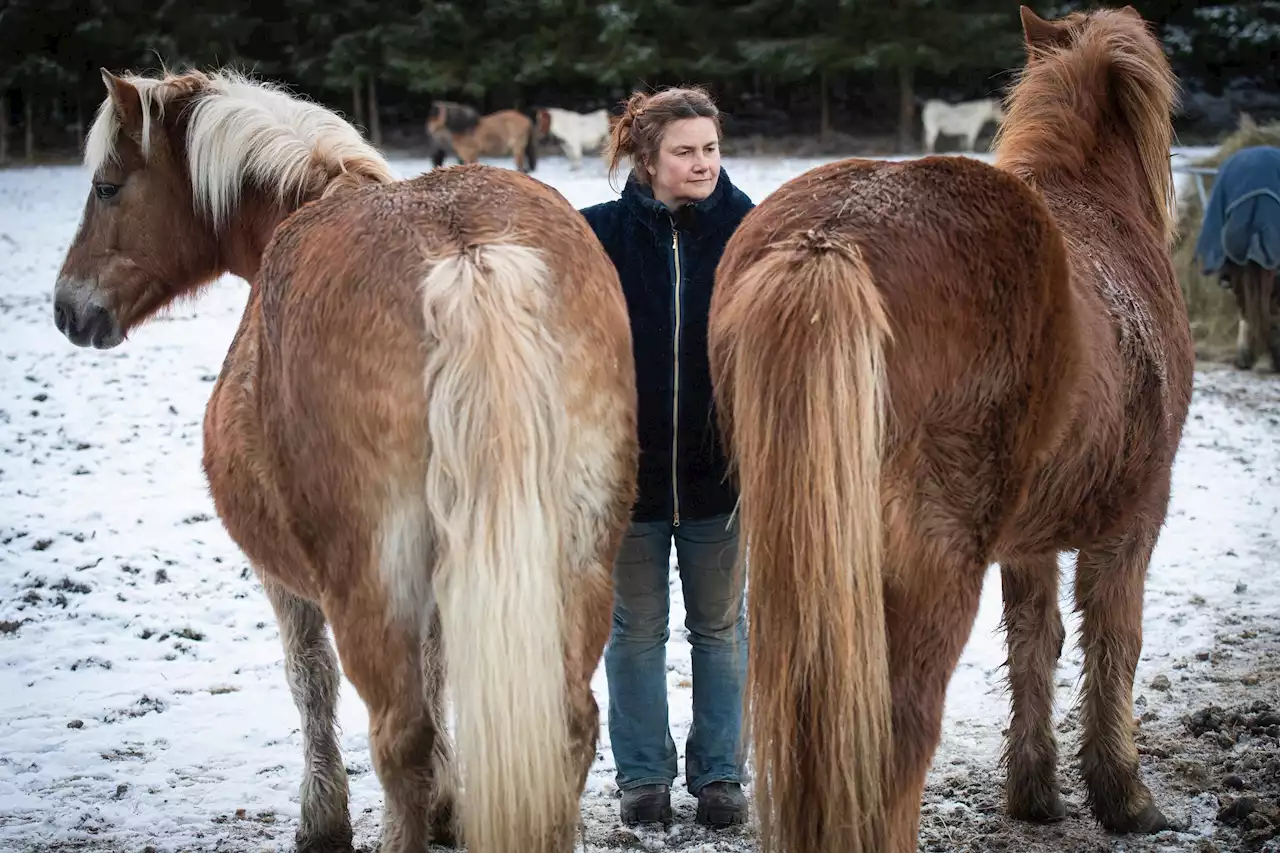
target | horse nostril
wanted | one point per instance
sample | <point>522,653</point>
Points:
<point>97,324</point>
<point>62,316</point>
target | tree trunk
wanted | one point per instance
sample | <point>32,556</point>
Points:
<point>906,105</point>
<point>29,125</point>
<point>371,103</point>
<point>4,127</point>
<point>79,121</point>
<point>824,95</point>
<point>357,104</point>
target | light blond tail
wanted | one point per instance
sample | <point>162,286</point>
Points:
<point>495,487</point>
<point>799,348</point>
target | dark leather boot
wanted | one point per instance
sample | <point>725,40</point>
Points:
<point>646,804</point>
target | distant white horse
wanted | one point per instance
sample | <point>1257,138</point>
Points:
<point>576,131</point>
<point>964,119</point>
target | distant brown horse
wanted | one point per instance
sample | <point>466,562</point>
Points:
<point>423,435</point>
<point>926,367</point>
<point>494,135</point>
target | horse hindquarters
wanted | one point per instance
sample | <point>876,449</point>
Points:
<point>811,518</point>
<point>528,502</point>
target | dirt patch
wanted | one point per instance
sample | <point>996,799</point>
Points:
<point>1210,754</point>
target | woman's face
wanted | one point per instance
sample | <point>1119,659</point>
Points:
<point>688,162</point>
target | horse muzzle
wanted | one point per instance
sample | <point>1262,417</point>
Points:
<point>82,321</point>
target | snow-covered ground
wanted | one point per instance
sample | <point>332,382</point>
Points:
<point>142,692</point>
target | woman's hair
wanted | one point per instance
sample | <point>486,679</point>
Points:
<point>638,132</point>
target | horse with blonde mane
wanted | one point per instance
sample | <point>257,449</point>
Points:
<point>966,119</point>
<point>925,367</point>
<point>577,132</point>
<point>494,135</point>
<point>423,436</point>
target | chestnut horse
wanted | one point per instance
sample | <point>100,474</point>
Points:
<point>423,436</point>
<point>926,367</point>
<point>474,136</point>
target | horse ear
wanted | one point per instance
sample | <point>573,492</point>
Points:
<point>1038,31</point>
<point>125,98</point>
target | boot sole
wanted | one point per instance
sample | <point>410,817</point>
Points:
<point>720,818</point>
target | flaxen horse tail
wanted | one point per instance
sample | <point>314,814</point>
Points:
<point>495,488</point>
<point>800,384</point>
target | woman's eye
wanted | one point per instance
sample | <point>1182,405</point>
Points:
<point>105,191</point>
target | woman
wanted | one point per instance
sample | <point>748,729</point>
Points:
<point>665,236</point>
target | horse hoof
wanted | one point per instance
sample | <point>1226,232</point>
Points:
<point>1053,810</point>
<point>338,841</point>
<point>1149,821</point>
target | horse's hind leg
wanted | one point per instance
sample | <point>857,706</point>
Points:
<point>312,671</point>
<point>930,606</point>
<point>444,819</point>
<point>1034,634</point>
<point>1109,587</point>
<point>588,616</point>
<point>382,625</point>
<point>1241,289</point>
<point>1264,333</point>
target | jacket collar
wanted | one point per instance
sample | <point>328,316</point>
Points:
<point>639,199</point>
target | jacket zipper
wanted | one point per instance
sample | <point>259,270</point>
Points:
<point>675,406</point>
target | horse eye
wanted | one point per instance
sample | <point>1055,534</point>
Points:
<point>105,191</point>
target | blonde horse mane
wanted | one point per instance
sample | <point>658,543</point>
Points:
<point>242,132</point>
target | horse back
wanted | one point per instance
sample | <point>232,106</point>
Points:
<point>972,273</point>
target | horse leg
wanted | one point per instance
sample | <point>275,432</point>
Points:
<point>1034,632</point>
<point>930,137</point>
<point>573,151</point>
<point>1109,587</point>
<point>588,615</point>
<point>929,610</point>
<point>445,827</point>
<point>1240,287</point>
<point>382,655</point>
<point>1264,283</point>
<point>311,668</point>
<point>517,144</point>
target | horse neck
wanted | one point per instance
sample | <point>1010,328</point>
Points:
<point>1066,161</point>
<point>244,239</point>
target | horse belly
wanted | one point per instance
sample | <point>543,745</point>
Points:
<point>239,479</point>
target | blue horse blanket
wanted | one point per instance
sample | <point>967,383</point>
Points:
<point>1242,218</point>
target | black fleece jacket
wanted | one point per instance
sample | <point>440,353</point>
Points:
<point>667,263</point>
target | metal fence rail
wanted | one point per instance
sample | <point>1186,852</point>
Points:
<point>1198,172</point>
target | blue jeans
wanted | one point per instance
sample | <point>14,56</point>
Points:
<point>636,656</point>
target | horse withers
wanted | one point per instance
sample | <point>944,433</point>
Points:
<point>494,135</point>
<point>925,367</point>
<point>422,436</point>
